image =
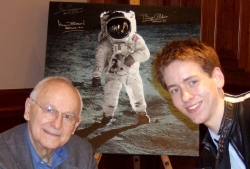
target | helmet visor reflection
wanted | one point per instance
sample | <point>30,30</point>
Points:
<point>118,28</point>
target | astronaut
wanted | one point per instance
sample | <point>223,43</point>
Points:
<point>119,53</point>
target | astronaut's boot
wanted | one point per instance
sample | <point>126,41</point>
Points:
<point>106,120</point>
<point>143,118</point>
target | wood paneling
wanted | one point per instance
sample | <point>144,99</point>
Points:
<point>100,1</point>
<point>208,21</point>
<point>152,2</point>
<point>182,3</point>
<point>225,26</point>
<point>12,107</point>
<point>110,1</point>
<point>174,3</point>
<point>244,38</point>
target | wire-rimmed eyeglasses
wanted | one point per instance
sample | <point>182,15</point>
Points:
<point>52,114</point>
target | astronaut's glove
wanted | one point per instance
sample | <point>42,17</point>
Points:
<point>129,60</point>
<point>96,82</point>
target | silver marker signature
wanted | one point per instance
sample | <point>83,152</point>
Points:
<point>68,10</point>
<point>72,26</point>
<point>157,18</point>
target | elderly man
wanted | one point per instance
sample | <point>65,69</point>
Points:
<point>53,112</point>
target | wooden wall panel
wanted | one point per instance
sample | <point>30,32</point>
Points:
<point>12,107</point>
<point>227,24</point>
<point>243,46</point>
<point>182,3</point>
<point>110,1</point>
<point>152,2</point>
<point>208,21</point>
<point>174,3</point>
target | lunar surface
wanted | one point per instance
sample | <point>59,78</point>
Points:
<point>170,133</point>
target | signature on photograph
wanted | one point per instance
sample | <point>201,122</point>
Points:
<point>157,18</point>
<point>72,26</point>
<point>68,10</point>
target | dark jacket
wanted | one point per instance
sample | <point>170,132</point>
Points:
<point>235,128</point>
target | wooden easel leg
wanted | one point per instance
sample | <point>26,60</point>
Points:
<point>98,157</point>
<point>166,162</point>
<point>136,162</point>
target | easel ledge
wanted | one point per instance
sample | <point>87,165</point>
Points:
<point>165,161</point>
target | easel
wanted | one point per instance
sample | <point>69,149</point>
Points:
<point>98,157</point>
<point>165,161</point>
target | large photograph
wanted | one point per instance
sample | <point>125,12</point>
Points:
<point>107,52</point>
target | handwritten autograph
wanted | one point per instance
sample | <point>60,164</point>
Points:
<point>72,26</point>
<point>68,10</point>
<point>157,18</point>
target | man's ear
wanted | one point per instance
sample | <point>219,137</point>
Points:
<point>79,120</point>
<point>27,109</point>
<point>218,77</point>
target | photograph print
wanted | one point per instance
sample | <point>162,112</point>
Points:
<point>107,52</point>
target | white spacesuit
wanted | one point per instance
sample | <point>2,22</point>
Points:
<point>119,53</point>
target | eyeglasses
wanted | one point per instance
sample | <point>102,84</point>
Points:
<point>52,114</point>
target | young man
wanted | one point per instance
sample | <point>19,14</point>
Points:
<point>190,71</point>
<point>53,112</point>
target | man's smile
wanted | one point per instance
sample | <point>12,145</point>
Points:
<point>194,107</point>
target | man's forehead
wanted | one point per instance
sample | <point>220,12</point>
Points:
<point>184,66</point>
<point>181,71</point>
<point>57,89</point>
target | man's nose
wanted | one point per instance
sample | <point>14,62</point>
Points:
<point>57,121</point>
<point>186,95</point>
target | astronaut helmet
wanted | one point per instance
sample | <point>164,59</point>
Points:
<point>120,25</point>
